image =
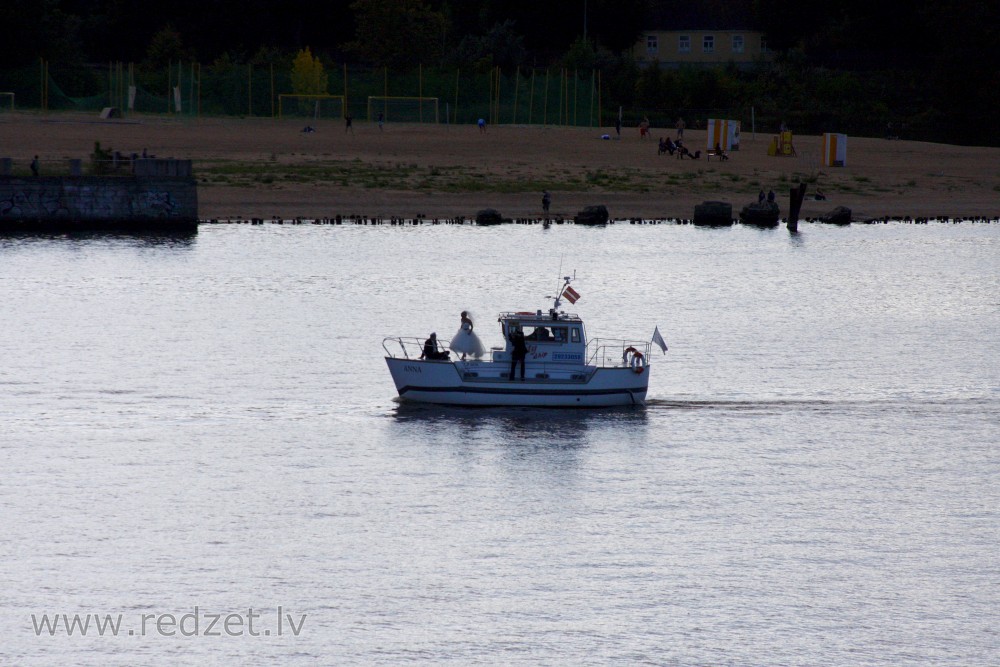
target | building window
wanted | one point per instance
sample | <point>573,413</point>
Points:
<point>708,44</point>
<point>684,44</point>
<point>737,43</point>
<point>651,46</point>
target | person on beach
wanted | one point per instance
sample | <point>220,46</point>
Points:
<point>348,123</point>
<point>466,341</point>
<point>680,128</point>
<point>482,125</point>
<point>34,166</point>
<point>546,201</point>
<point>683,152</point>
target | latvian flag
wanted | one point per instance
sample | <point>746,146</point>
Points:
<point>571,294</point>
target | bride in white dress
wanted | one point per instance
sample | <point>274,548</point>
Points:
<point>466,342</point>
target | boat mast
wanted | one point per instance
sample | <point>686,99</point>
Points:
<point>558,297</point>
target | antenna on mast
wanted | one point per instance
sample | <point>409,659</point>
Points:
<point>561,291</point>
<point>558,302</point>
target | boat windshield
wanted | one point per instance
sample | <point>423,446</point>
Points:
<point>546,334</point>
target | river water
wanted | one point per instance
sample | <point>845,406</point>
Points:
<point>206,427</point>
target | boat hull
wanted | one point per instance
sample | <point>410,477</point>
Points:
<point>449,383</point>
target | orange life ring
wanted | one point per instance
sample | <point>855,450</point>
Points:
<point>636,361</point>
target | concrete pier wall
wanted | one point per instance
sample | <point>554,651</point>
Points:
<point>68,203</point>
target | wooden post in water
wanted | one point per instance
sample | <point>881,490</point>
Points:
<point>795,197</point>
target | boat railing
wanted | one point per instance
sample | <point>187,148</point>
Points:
<point>538,315</point>
<point>616,352</point>
<point>407,347</point>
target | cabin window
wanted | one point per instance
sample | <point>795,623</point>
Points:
<point>652,47</point>
<point>708,43</point>
<point>684,44</point>
<point>574,335</point>
<point>737,43</point>
<point>541,334</point>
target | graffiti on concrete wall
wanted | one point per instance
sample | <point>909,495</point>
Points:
<point>68,199</point>
<point>155,204</point>
<point>34,203</point>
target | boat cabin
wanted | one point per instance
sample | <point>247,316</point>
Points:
<point>555,337</point>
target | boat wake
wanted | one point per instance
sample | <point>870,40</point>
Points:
<point>776,405</point>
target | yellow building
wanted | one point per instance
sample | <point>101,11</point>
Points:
<point>673,48</point>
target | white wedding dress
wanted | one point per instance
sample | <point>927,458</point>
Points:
<point>467,342</point>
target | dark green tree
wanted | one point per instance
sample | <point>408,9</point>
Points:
<point>397,33</point>
<point>167,47</point>
<point>33,30</point>
<point>501,46</point>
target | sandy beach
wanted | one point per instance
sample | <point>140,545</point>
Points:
<point>269,168</point>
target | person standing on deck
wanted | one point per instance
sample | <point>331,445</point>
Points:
<point>518,352</point>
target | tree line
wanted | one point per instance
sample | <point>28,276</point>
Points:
<point>931,67</point>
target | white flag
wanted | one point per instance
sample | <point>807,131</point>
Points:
<point>658,339</point>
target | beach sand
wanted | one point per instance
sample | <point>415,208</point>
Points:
<point>454,171</point>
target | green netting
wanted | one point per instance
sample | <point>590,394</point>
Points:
<point>534,96</point>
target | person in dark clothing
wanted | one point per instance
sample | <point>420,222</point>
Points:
<point>431,350</point>
<point>770,196</point>
<point>683,152</point>
<point>546,201</point>
<point>518,352</point>
<point>34,166</point>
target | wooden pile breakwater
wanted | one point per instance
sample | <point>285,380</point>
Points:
<point>158,195</point>
<point>362,220</point>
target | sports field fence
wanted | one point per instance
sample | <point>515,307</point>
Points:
<point>550,96</point>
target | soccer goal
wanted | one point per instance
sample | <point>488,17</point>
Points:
<point>403,109</point>
<point>3,101</point>
<point>312,107</point>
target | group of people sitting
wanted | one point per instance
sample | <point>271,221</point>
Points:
<point>670,146</point>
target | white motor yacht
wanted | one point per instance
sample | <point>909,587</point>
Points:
<point>562,367</point>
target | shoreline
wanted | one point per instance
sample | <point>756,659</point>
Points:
<point>545,222</point>
<point>265,168</point>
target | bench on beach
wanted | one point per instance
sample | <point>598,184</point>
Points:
<point>721,155</point>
